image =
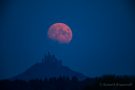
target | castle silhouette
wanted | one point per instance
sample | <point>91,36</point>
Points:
<point>50,59</point>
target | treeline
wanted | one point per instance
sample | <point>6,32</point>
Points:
<point>109,82</point>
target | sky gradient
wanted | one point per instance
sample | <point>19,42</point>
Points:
<point>103,39</point>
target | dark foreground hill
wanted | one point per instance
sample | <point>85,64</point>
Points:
<point>63,83</point>
<point>49,67</point>
<point>50,74</point>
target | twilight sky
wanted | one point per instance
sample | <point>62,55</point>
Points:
<point>103,35</point>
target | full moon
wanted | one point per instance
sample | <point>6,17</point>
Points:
<point>60,32</point>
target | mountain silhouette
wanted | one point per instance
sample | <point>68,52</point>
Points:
<point>50,67</point>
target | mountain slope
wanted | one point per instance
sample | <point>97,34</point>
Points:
<point>49,67</point>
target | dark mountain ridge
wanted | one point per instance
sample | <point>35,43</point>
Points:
<point>50,67</point>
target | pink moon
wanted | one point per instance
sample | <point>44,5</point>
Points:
<point>60,32</point>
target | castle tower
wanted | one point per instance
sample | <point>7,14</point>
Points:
<point>51,59</point>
